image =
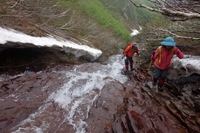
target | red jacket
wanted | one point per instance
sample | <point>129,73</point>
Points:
<point>164,61</point>
<point>129,51</point>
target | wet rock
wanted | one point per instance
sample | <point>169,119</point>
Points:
<point>148,110</point>
<point>7,105</point>
<point>27,96</point>
<point>135,106</point>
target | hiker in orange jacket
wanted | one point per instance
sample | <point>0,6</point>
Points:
<point>129,51</point>
<point>162,60</point>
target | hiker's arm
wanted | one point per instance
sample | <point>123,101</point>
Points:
<point>137,51</point>
<point>154,55</point>
<point>179,53</point>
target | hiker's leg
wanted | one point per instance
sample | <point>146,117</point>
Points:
<point>156,76</point>
<point>126,63</point>
<point>160,84</point>
<point>162,79</point>
<point>131,63</point>
<point>154,81</point>
<point>164,74</point>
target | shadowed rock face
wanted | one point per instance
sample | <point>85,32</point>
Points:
<point>181,81</point>
<point>132,107</point>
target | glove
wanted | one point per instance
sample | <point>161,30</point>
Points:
<point>152,58</point>
<point>124,57</point>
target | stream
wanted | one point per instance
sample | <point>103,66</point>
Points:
<point>96,98</point>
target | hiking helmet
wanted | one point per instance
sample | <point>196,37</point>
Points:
<point>135,44</point>
<point>169,41</point>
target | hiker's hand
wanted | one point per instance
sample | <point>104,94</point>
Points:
<point>152,58</point>
<point>124,57</point>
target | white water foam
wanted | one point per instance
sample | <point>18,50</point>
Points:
<point>76,97</point>
<point>81,89</point>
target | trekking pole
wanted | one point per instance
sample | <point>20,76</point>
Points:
<point>149,65</point>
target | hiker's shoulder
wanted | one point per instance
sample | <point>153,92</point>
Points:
<point>159,48</point>
<point>175,48</point>
<point>129,45</point>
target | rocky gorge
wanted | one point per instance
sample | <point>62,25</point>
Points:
<point>30,79</point>
<point>132,106</point>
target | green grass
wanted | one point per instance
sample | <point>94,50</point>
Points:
<point>2,1</point>
<point>94,9</point>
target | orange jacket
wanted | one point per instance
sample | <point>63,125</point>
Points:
<point>129,51</point>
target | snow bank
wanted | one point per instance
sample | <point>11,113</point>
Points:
<point>22,40</point>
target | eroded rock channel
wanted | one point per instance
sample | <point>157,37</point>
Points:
<point>130,107</point>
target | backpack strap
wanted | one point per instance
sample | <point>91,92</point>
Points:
<point>160,53</point>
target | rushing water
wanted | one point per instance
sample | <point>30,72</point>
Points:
<point>62,99</point>
<point>65,108</point>
<point>68,106</point>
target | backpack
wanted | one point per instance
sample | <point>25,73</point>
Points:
<point>160,51</point>
<point>127,46</point>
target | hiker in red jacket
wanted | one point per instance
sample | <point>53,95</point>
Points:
<point>129,51</point>
<point>162,60</point>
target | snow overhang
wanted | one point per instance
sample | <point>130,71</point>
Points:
<point>13,39</point>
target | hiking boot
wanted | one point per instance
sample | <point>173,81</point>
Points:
<point>160,88</point>
<point>126,71</point>
<point>154,83</point>
<point>160,84</point>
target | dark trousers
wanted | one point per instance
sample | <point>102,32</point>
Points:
<point>160,75</point>
<point>128,61</point>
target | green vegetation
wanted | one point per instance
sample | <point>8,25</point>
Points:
<point>113,15</point>
<point>94,9</point>
<point>65,3</point>
<point>2,1</point>
<point>102,21</point>
<point>128,11</point>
